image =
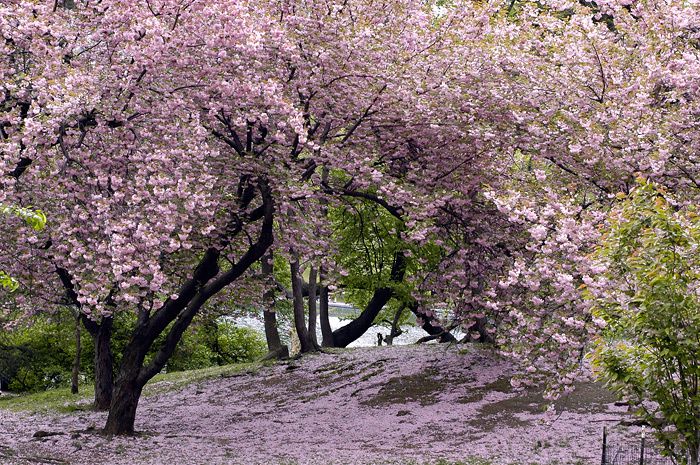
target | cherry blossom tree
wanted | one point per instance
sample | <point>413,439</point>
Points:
<point>173,143</point>
<point>605,92</point>
<point>170,140</point>
<point>125,163</point>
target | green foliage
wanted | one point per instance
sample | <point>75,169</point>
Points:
<point>368,238</point>
<point>7,282</point>
<point>217,343</point>
<point>238,344</point>
<point>34,218</point>
<point>39,356</point>
<point>650,349</point>
<point>207,342</point>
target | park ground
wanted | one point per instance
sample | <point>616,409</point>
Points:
<point>389,405</point>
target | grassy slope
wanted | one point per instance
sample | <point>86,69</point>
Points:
<point>61,399</point>
<point>281,379</point>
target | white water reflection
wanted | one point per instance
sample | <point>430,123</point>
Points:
<point>340,315</point>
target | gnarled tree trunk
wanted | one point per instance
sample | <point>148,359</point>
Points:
<point>357,327</point>
<point>352,331</point>
<point>276,350</point>
<point>313,316</point>
<point>433,329</point>
<point>176,315</point>
<point>480,327</point>
<point>128,388</point>
<point>104,360</point>
<point>395,330</point>
<point>298,303</point>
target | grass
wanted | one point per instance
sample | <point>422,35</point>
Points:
<point>61,399</point>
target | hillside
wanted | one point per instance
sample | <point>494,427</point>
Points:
<point>411,404</point>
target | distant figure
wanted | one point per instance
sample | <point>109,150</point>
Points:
<point>379,339</point>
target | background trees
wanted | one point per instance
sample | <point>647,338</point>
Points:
<point>40,353</point>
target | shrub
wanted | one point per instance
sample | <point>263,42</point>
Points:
<point>650,348</point>
<point>39,354</point>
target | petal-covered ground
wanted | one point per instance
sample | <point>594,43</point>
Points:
<point>402,404</point>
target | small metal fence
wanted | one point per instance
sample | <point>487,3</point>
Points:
<point>642,453</point>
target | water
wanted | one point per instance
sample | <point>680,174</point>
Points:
<point>339,315</point>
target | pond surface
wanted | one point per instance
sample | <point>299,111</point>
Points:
<point>340,315</point>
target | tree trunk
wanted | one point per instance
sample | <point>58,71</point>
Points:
<point>76,361</point>
<point>694,451</point>
<point>484,336</point>
<point>102,339</point>
<point>432,328</point>
<point>326,331</point>
<point>276,350</point>
<point>298,301</point>
<point>359,326</point>
<point>176,314</point>
<point>104,362</point>
<point>128,387</point>
<point>104,365</point>
<point>312,306</point>
<point>396,330</point>
<point>122,413</point>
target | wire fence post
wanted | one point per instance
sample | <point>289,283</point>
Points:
<point>604,460</point>
<point>641,452</point>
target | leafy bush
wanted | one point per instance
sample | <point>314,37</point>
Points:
<point>218,342</point>
<point>238,344</point>
<point>650,349</point>
<point>40,354</point>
